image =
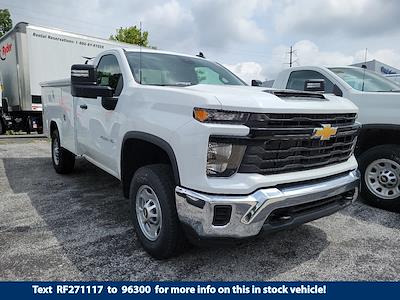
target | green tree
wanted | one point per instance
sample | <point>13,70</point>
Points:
<point>131,35</point>
<point>5,21</point>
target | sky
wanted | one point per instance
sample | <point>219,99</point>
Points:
<point>250,37</point>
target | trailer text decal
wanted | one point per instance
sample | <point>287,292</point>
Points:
<point>5,50</point>
<point>65,40</point>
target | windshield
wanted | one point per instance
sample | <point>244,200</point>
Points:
<point>364,80</point>
<point>175,70</point>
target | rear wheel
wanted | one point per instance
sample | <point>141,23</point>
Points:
<point>152,196</point>
<point>63,160</point>
<point>380,168</point>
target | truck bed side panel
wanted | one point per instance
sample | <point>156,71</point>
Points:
<point>58,106</point>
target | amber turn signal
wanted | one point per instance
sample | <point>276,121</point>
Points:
<point>200,114</point>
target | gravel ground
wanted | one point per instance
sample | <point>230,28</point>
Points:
<point>77,227</point>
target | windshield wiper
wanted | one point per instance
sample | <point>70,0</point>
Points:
<point>389,91</point>
<point>179,84</point>
<point>183,83</point>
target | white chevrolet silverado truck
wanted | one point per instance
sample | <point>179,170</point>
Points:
<point>378,145</point>
<point>200,155</point>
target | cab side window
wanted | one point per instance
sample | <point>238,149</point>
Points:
<point>298,78</point>
<point>109,73</point>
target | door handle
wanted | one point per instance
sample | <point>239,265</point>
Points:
<point>83,106</point>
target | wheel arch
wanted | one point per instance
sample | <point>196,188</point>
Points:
<point>156,150</point>
<point>53,126</point>
<point>372,135</point>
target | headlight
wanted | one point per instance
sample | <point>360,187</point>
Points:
<point>219,116</point>
<point>223,159</point>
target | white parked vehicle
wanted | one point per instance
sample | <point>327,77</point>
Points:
<point>32,54</point>
<point>394,77</point>
<point>378,99</point>
<point>199,153</point>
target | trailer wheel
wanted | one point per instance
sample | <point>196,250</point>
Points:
<point>29,126</point>
<point>63,160</point>
<point>2,127</point>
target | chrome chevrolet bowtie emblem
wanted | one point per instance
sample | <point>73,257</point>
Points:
<point>324,133</point>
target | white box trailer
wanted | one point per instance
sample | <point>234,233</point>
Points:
<point>32,54</point>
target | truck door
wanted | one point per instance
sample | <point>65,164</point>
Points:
<point>97,123</point>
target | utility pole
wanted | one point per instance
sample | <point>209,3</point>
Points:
<point>291,52</point>
<point>365,56</point>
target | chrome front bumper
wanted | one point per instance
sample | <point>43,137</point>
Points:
<point>269,207</point>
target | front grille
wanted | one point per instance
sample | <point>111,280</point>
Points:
<point>280,143</point>
<point>299,120</point>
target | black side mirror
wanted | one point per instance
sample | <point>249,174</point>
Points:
<point>91,91</point>
<point>256,82</point>
<point>83,74</point>
<point>314,85</point>
<point>84,84</point>
<point>337,91</point>
<point>109,103</point>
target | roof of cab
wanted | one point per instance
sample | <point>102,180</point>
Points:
<point>149,50</point>
<point>322,67</point>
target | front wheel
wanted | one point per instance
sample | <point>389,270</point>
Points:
<point>380,169</point>
<point>152,196</point>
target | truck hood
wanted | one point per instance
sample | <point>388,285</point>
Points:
<point>260,99</point>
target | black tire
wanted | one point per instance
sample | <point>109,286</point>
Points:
<point>2,127</point>
<point>65,162</point>
<point>370,158</point>
<point>29,125</point>
<point>171,239</point>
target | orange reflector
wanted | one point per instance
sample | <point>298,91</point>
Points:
<point>200,114</point>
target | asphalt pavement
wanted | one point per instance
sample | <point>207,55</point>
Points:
<point>77,227</point>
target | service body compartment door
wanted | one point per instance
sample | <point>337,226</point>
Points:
<point>58,106</point>
<point>67,119</point>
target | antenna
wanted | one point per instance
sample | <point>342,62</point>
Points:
<point>140,54</point>
<point>87,59</point>
<point>365,64</point>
